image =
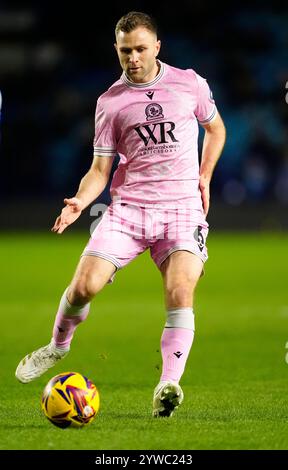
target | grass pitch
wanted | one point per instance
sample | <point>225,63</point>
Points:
<point>235,383</point>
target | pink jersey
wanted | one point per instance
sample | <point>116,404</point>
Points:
<point>153,127</point>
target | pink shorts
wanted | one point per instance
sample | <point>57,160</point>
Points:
<point>125,231</point>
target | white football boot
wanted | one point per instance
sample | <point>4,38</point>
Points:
<point>36,363</point>
<point>167,397</point>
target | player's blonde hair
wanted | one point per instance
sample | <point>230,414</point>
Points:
<point>133,20</point>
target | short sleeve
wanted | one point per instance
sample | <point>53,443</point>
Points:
<point>104,140</point>
<point>205,109</point>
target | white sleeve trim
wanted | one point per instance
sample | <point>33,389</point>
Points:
<point>210,118</point>
<point>104,152</point>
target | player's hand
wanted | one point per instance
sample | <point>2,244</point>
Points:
<point>69,214</point>
<point>204,185</point>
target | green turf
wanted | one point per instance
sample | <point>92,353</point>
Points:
<point>236,379</point>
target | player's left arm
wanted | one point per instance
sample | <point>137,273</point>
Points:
<point>214,140</point>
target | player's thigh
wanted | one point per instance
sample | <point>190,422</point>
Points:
<point>181,268</point>
<point>91,275</point>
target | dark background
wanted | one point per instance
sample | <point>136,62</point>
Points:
<point>55,60</point>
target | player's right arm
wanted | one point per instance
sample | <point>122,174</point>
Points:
<point>91,186</point>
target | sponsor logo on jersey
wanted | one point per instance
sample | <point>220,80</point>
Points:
<point>158,133</point>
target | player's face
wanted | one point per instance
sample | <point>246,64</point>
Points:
<point>137,52</point>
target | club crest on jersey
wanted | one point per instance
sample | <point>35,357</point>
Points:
<point>153,111</point>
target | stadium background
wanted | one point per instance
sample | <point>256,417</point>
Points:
<point>55,60</point>
<point>54,63</point>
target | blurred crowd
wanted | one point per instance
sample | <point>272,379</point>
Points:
<point>51,73</point>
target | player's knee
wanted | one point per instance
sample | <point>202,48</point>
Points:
<point>180,294</point>
<point>84,290</point>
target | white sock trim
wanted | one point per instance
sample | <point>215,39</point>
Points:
<point>69,309</point>
<point>180,318</point>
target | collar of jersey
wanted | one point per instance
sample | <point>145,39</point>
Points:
<point>147,84</point>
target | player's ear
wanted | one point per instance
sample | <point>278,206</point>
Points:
<point>158,47</point>
<point>115,45</point>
